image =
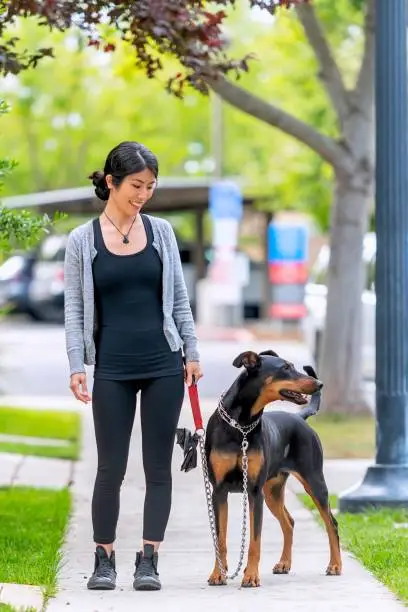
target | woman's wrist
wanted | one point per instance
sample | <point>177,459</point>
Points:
<point>191,354</point>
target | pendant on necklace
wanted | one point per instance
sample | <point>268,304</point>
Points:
<point>125,240</point>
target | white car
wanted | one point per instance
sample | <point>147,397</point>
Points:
<point>315,301</point>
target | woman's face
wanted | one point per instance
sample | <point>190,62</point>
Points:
<point>133,193</point>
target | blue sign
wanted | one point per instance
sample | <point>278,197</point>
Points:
<point>287,242</point>
<point>225,200</point>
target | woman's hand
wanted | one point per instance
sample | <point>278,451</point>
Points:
<point>79,388</point>
<point>192,371</point>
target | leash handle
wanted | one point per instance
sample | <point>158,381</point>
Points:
<point>195,406</point>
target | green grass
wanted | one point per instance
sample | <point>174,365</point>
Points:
<point>32,529</point>
<point>7,608</point>
<point>61,425</point>
<point>374,538</point>
<point>345,437</point>
<point>56,452</point>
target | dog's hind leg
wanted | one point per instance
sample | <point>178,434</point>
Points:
<point>315,486</point>
<point>251,576</point>
<point>274,492</point>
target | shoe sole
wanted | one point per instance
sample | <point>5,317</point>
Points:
<point>101,586</point>
<point>146,585</point>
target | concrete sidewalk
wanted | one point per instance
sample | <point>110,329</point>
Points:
<point>186,557</point>
<point>40,472</point>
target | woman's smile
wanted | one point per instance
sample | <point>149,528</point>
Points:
<point>136,204</point>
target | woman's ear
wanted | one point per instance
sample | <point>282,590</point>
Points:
<point>108,179</point>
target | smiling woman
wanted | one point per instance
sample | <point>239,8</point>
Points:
<point>127,312</point>
<point>127,183</point>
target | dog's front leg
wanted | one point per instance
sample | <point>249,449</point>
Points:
<point>220,505</point>
<point>251,575</point>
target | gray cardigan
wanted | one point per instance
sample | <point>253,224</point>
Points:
<point>80,311</point>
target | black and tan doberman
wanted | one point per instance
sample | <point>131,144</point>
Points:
<point>281,444</point>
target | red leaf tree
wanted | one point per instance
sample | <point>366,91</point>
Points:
<point>186,30</point>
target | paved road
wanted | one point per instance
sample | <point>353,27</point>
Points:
<point>33,360</point>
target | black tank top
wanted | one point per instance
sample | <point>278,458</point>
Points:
<point>130,341</point>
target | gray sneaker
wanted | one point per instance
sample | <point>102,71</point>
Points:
<point>146,574</point>
<point>104,576</point>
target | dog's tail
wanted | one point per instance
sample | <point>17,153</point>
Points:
<point>313,406</point>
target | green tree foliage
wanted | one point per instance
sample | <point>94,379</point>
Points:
<point>18,228</point>
<point>282,72</point>
<point>70,110</point>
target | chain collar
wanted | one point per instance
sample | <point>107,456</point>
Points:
<point>244,429</point>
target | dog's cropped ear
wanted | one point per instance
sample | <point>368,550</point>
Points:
<point>310,371</point>
<point>272,353</point>
<point>250,360</point>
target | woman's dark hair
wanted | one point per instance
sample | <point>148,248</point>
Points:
<point>126,158</point>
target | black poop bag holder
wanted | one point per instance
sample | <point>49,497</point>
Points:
<point>185,439</point>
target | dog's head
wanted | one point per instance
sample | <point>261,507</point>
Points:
<point>277,378</point>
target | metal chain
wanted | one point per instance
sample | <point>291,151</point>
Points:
<point>244,429</point>
<point>210,507</point>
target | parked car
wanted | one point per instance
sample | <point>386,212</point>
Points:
<point>46,290</point>
<point>315,301</point>
<point>15,278</point>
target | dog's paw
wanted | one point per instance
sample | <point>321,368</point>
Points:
<point>216,578</point>
<point>333,570</point>
<point>251,578</point>
<point>283,567</point>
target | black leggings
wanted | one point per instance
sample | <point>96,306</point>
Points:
<point>114,405</point>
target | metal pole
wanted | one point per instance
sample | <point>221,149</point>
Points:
<point>226,315</point>
<point>386,482</point>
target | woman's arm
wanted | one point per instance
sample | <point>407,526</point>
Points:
<point>182,314</point>
<point>73,306</point>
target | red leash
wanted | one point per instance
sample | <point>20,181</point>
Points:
<point>195,407</point>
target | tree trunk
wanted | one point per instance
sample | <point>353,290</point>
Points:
<point>340,367</point>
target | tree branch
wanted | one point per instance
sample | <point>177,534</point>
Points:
<point>325,146</point>
<point>329,71</point>
<point>364,90</point>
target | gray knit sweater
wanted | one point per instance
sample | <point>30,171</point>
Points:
<point>80,311</point>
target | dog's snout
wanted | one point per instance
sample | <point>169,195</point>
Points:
<point>319,384</point>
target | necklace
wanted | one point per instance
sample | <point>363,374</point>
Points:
<point>125,236</point>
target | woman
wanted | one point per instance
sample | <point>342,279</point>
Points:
<point>127,312</point>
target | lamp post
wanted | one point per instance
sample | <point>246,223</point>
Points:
<point>228,307</point>
<point>386,482</point>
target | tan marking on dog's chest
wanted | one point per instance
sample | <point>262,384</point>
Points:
<point>223,463</point>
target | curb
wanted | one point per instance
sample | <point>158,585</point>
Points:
<point>39,402</point>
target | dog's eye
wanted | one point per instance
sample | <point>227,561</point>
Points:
<point>286,366</point>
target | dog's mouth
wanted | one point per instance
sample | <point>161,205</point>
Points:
<point>293,396</point>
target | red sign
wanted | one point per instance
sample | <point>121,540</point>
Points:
<point>288,273</point>
<point>287,311</point>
